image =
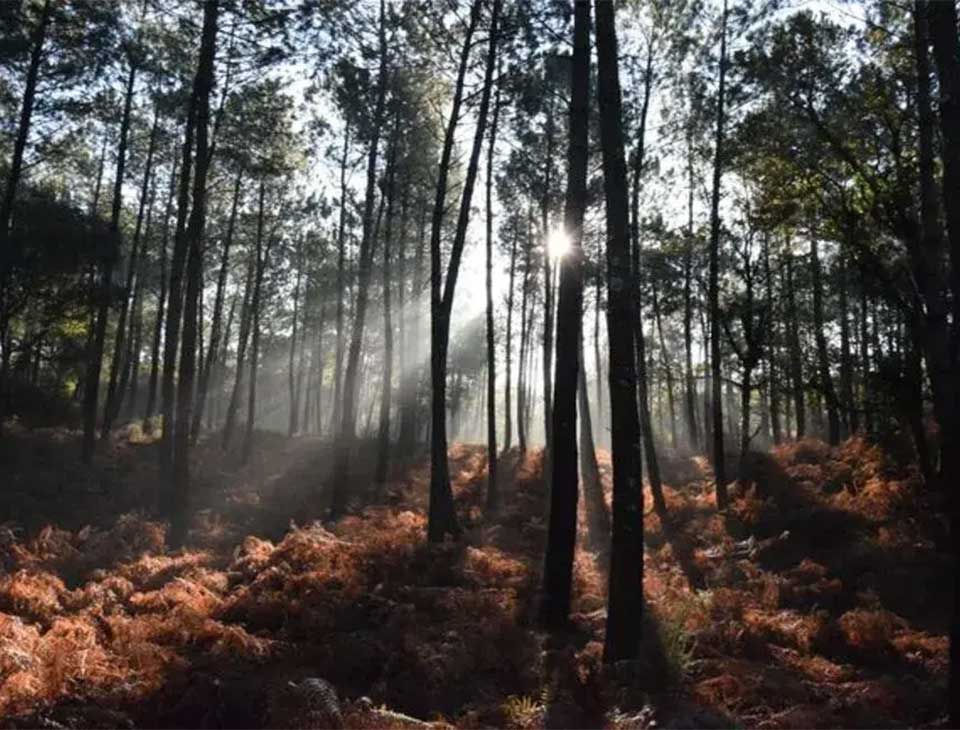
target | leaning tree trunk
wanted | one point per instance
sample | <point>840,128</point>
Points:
<point>625,593</point>
<point>442,519</point>
<point>562,526</point>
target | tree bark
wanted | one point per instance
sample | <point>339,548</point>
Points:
<point>442,519</point>
<point>826,380</point>
<point>493,497</point>
<point>508,349</point>
<point>347,431</point>
<point>200,102</point>
<point>719,465</point>
<point>254,317</point>
<point>562,526</point>
<point>95,362</point>
<point>625,594</point>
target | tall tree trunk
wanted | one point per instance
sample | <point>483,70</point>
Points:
<point>772,371</point>
<point>256,297</point>
<point>943,32</point>
<point>243,340</point>
<point>665,360</point>
<point>492,495</point>
<point>383,434</point>
<point>625,594</point>
<point>646,422</point>
<point>118,363</point>
<point>442,518</point>
<point>161,303</point>
<point>562,526</point>
<point>200,102</point>
<point>213,349</point>
<point>293,424</point>
<point>347,431</point>
<point>796,356</point>
<point>690,395</point>
<point>851,418</point>
<point>131,374</point>
<point>719,465</point>
<point>508,348</point>
<point>598,516</point>
<point>522,360</point>
<point>823,363</point>
<point>171,334</point>
<point>95,362</point>
<point>341,283</point>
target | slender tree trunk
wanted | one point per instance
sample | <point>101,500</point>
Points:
<point>95,362</point>
<point>719,466</point>
<point>131,374</point>
<point>846,358</point>
<point>200,102</point>
<point>294,421</point>
<point>341,284</point>
<point>668,370</point>
<point>161,302</point>
<point>243,340</point>
<point>347,432</point>
<point>256,296</point>
<point>508,349</point>
<point>521,363</point>
<point>492,493</point>
<point>693,432</point>
<point>562,526</point>
<point>625,594</point>
<point>118,363</point>
<point>826,380</point>
<point>383,435</point>
<point>598,516</point>
<point>774,324</point>
<point>213,349</point>
<point>796,369</point>
<point>442,518</point>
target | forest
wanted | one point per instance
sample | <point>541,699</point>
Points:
<point>436,364</point>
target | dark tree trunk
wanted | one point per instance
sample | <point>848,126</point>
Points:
<point>131,374</point>
<point>693,432</point>
<point>493,497</point>
<point>262,249</point>
<point>442,514</point>
<point>200,102</point>
<point>508,349</point>
<point>646,422</point>
<point>243,341</point>
<point>293,424</point>
<point>846,358</point>
<point>719,466</point>
<point>625,595</point>
<point>823,363</point>
<point>383,434</point>
<point>95,361</point>
<point>171,334</point>
<point>522,360</point>
<point>562,527</point>
<point>595,504</point>
<point>118,362</point>
<point>347,431</point>
<point>213,349</point>
<point>341,283</point>
<point>943,32</point>
<point>772,370</point>
<point>161,303</point>
<point>796,357</point>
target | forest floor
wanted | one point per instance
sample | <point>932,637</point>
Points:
<point>823,604</point>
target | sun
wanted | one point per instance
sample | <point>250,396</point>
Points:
<point>558,243</point>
